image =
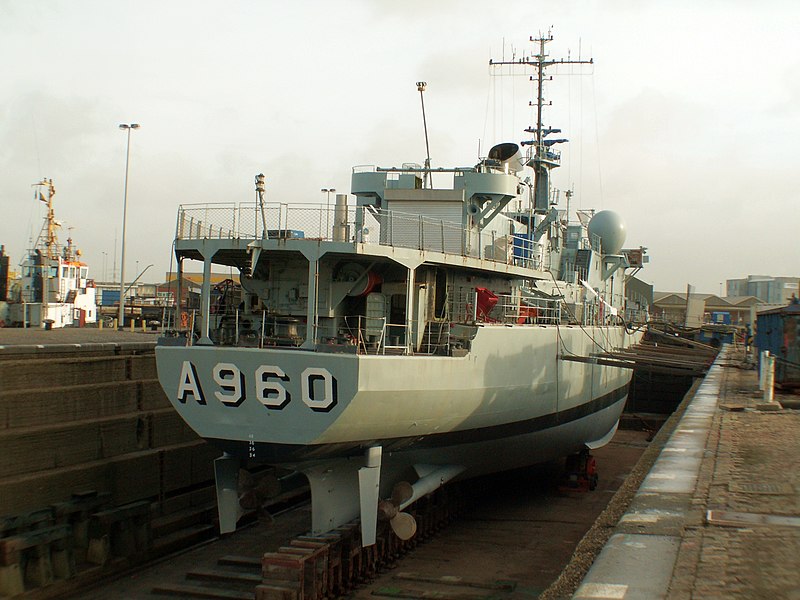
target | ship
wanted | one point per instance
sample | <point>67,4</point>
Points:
<point>386,346</point>
<point>54,289</point>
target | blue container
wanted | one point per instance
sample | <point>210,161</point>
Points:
<point>721,318</point>
<point>523,245</point>
<point>108,297</point>
<point>778,331</point>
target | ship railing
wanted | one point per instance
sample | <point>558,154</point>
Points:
<point>356,334</point>
<point>513,309</point>
<point>509,309</point>
<point>364,335</point>
<point>596,313</point>
<point>353,224</point>
<point>593,242</point>
<point>636,315</point>
<point>373,335</point>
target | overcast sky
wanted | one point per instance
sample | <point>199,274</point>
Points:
<point>687,124</point>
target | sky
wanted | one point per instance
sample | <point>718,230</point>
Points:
<point>687,123</point>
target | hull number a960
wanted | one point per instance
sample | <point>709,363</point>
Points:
<point>317,386</point>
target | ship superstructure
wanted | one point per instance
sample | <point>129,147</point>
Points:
<point>406,338</point>
<point>54,289</point>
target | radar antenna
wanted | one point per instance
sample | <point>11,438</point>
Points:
<point>544,157</point>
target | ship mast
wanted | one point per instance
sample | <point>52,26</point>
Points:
<point>51,241</point>
<point>543,158</point>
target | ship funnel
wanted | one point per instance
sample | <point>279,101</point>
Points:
<point>341,228</point>
<point>508,153</point>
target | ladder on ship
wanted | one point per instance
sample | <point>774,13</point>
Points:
<point>435,339</point>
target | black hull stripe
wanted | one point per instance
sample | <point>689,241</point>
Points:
<point>282,453</point>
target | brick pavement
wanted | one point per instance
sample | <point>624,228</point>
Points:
<point>752,467</point>
<point>724,455</point>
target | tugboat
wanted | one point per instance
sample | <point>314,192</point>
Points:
<point>385,347</point>
<point>54,290</point>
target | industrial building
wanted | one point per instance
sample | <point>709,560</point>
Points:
<point>768,289</point>
<point>671,307</point>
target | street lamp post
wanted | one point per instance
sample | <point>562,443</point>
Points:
<point>121,317</point>
<point>328,192</point>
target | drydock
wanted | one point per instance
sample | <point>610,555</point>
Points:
<point>708,508</point>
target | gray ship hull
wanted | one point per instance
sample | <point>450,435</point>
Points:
<point>290,407</point>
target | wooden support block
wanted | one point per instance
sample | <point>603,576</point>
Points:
<point>333,543</point>
<point>317,563</point>
<point>124,531</point>
<point>63,561</point>
<point>284,570</point>
<point>38,568</point>
<point>99,550</point>
<point>26,558</point>
<point>195,591</point>
<point>272,591</point>
<point>12,548</point>
<point>75,513</point>
<point>11,583</point>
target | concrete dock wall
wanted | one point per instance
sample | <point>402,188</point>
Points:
<point>94,419</point>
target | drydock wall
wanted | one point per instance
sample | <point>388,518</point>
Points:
<point>95,419</point>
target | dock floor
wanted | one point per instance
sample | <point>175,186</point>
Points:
<point>718,515</point>
<point>14,339</point>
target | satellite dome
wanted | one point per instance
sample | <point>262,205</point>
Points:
<point>610,228</point>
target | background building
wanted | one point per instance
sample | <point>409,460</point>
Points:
<point>768,289</point>
<point>671,307</point>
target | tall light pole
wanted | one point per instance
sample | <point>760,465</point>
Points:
<point>105,258</point>
<point>328,192</point>
<point>427,175</point>
<point>121,317</point>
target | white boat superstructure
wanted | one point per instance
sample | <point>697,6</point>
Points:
<point>54,289</point>
<point>413,336</point>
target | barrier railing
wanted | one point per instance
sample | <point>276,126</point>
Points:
<point>509,309</point>
<point>357,333</point>
<point>355,225</point>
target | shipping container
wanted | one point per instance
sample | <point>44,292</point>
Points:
<point>778,330</point>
